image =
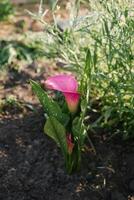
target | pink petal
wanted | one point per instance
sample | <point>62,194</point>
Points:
<point>62,83</point>
<point>68,85</point>
<point>70,144</point>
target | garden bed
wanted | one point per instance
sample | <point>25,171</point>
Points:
<point>31,165</point>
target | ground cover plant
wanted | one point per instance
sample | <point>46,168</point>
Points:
<point>14,52</point>
<point>6,9</point>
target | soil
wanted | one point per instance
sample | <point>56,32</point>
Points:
<point>31,165</point>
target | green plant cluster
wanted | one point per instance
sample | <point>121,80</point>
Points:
<point>13,50</point>
<point>9,103</point>
<point>60,122</point>
<point>6,9</point>
<point>114,69</point>
<point>108,31</point>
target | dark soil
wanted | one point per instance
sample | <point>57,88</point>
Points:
<point>31,165</point>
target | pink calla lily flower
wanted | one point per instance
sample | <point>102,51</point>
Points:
<point>68,85</point>
<point>70,144</point>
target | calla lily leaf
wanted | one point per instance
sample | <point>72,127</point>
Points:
<point>50,106</point>
<point>79,130</point>
<point>54,129</point>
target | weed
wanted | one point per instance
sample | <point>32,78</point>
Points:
<point>6,9</point>
<point>11,51</point>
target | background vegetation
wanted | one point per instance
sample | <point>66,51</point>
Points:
<point>107,30</point>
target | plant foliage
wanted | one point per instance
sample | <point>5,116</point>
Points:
<point>6,9</point>
<point>108,31</point>
<point>12,51</point>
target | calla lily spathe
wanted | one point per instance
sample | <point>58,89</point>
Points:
<point>68,85</point>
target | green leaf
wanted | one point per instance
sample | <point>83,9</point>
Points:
<point>83,105</point>
<point>54,129</point>
<point>108,113</point>
<point>95,56</point>
<point>50,106</point>
<point>79,130</point>
<point>88,63</point>
<point>86,77</point>
<point>53,4</point>
<point>106,28</point>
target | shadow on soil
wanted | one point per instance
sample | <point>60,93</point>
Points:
<point>16,78</point>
